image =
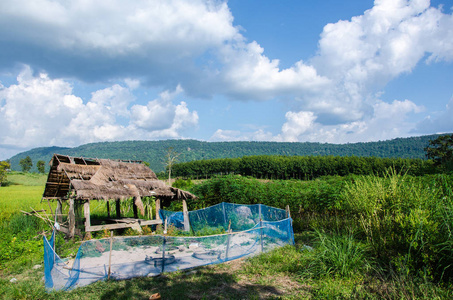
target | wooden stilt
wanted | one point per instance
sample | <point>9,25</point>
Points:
<point>108,209</point>
<point>118,209</point>
<point>134,207</point>
<point>71,217</point>
<point>86,212</point>
<point>157,209</point>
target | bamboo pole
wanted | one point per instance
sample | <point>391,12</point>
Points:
<point>186,216</point>
<point>110,254</point>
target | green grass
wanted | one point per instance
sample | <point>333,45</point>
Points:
<point>15,198</point>
<point>27,179</point>
<point>402,216</point>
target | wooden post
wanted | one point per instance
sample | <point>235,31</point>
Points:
<point>186,216</point>
<point>118,209</point>
<point>224,216</point>
<point>134,207</point>
<point>108,209</point>
<point>59,212</point>
<point>110,254</point>
<point>86,212</point>
<point>228,240</point>
<point>261,229</point>
<point>71,217</point>
<point>288,212</point>
<point>157,209</point>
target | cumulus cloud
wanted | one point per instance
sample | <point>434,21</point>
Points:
<point>112,39</point>
<point>333,96</point>
<point>389,120</point>
<point>40,111</point>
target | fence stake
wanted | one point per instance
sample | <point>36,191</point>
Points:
<point>186,216</point>
<point>110,254</point>
<point>228,240</point>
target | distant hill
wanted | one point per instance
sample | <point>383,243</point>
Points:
<point>154,151</point>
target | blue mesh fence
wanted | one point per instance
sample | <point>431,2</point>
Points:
<point>150,255</point>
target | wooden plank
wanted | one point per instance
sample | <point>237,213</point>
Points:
<point>150,222</point>
<point>108,226</point>
<point>139,221</point>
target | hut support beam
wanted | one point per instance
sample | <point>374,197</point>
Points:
<point>186,216</point>
<point>157,209</point>
<point>71,216</point>
<point>108,209</point>
<point>134,207</point>
<point>86,211</point>
<point>118,209</point>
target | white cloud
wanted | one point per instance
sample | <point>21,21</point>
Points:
<point>296,125</point>
<point>388,121</point>
<point>39,111</point>
<point>222,135</point>
<point>332,97</point>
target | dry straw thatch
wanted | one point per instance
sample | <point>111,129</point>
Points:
<point>104,179</point>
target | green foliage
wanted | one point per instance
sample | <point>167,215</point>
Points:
<point>299,167</point>
<point>41,166</point>
<point>191,150</point>
<point>182,184</point>
<point>440,150</point>
<point>26,164</point>
<point>339,255</point>
<point>407,221</point>
<point>4,166</point>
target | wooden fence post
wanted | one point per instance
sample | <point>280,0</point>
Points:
<point>186,216</point>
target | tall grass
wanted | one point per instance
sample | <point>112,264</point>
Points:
<point>339,255</point>
<point>406,221</point>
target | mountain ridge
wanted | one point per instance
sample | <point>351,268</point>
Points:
<point>154,152</point>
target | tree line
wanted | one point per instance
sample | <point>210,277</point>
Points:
<point>298,167</point>
<point>154,152</point>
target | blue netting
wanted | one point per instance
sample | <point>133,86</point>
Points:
<point>256,229</point>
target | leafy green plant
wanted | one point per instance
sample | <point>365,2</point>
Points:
<point>339,255</point>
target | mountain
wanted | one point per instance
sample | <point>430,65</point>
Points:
<point>154,151</point>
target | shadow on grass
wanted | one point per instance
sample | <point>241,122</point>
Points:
<point>202,284</point>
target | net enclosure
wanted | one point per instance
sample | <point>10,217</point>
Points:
<point>251,229</point>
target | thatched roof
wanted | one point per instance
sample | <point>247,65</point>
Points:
<point>85,178</point>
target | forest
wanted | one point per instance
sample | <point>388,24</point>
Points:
<point>153,152</point>
<point>299,167</point>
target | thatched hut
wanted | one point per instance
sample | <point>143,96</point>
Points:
<point>79,180</point>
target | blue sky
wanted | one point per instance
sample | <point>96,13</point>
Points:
<point>75,72</point>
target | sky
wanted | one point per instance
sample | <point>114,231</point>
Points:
<point>81,71</point>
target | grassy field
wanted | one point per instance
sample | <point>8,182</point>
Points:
<point>323,265</point>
